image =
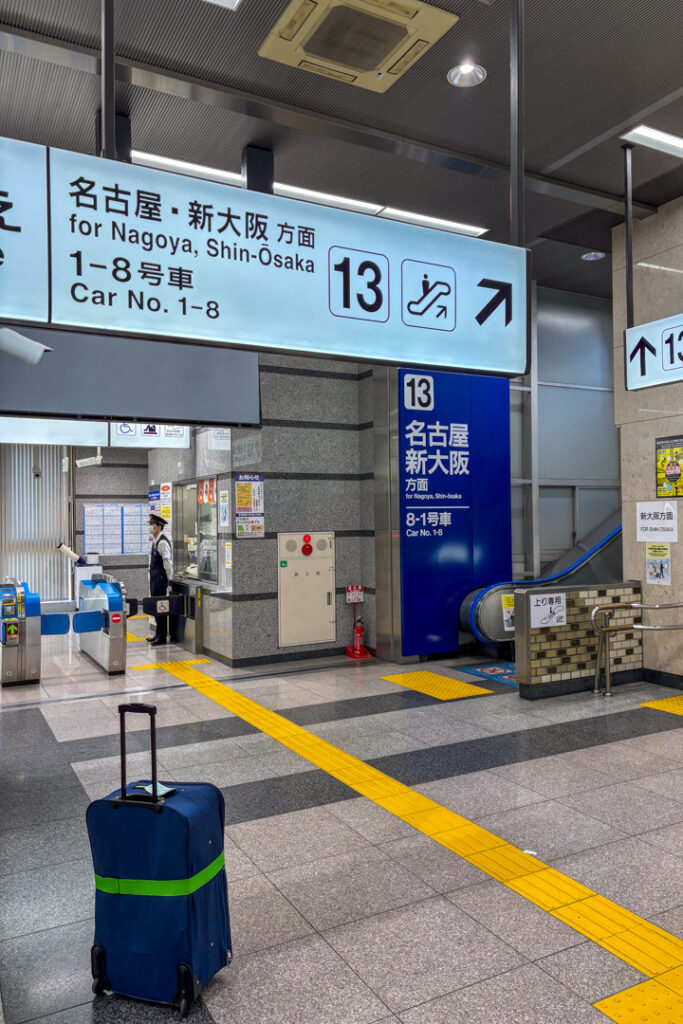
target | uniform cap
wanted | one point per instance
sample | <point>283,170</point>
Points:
<point>157,520</point>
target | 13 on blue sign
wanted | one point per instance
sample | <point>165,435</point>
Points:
<point>141,251</point>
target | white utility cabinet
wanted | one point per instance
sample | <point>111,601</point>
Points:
<point>306,588</point>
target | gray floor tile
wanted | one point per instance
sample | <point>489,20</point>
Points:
<point>551,829</point>
<point>664,783</point>
<point>478,794</point>
<point>345,888</point>
<point>671,921</point>
<point>39,845</point>
<point>304,982</point>
<point>628,873</point>
<point>665,744</point>
<point>60,894</point>
<point>289,839</point>
<point>591,972</point>
<point>669,839</point>
<point>550,776</point>
<point>46,971</point>
<point>209,751</point>
<point>440,868</point>
<point>518,922</point>
<point>620,761</point>
<point>367,746</point>
<point>284,762</point>
<point>261,917</point>
<point>525,995</point>
<point>373,822</point>
<point>117,1010</point>
<point>628,807</point>
<point>232,772</point>
<point>420,952</point>
<point>44,805</point>
<point>237,864</point>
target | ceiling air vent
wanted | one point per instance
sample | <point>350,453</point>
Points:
<point>366,43</point>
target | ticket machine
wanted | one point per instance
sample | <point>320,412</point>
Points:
<point>20,631</point>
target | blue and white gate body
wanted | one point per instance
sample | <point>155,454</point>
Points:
<point>100,622</point>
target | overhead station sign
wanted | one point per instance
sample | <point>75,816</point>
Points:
<point>140,251</point>
<point>654,353</point>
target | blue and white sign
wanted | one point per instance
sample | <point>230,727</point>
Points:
<point>141,251</point>
<point>454,452</point>
<point>654,353</point>
<point>23,231</point>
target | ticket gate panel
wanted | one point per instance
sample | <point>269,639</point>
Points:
<point>20,630</point>
<point>106,645</point>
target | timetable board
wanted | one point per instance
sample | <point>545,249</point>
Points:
<point>114,529</point>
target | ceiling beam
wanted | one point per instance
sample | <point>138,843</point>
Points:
<point>135,73</point>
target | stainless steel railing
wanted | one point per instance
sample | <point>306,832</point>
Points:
<point>605,631</point>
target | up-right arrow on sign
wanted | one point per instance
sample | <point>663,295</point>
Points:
<point>653,353</point>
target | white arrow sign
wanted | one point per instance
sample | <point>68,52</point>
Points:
<point>654,353</point>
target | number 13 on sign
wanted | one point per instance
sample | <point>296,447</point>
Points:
<point>359,284</point>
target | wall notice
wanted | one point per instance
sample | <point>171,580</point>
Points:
<point>548,610</point>
<point>657,522</point>
<point>669,467</point>
<point>224,509</point>
<point>249,505</point>
<point>658,564</point>
<point>508,602</point>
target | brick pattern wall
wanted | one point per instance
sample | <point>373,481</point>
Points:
<point>569,652</point>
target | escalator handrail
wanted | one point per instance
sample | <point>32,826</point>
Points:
<point>533,583</point>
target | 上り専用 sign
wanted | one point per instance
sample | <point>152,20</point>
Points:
<point>141,251</point>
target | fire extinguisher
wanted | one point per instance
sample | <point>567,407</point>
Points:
<point>357,651</point>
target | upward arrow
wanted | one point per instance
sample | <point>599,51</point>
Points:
<point>641,349</point>
<point>503,294</point>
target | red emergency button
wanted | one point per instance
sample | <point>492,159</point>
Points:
<point>307,538</point>
<point>307,549</point>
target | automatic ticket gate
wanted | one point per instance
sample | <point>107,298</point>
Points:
<point>100,622</point>
<point>20,632</point>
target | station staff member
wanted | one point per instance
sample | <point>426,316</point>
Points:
<point>160,572</point>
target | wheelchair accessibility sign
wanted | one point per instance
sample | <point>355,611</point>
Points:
<point>428,296</point>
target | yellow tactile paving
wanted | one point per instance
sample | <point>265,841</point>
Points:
<point>549,889</point>
<point>632,939</point>
<point>597,918</point>
<point>674,705</point>
<point>442,687</point>
<point>648,1002</point>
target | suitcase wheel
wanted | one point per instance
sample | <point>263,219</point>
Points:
<point>187,990</point>
<point>229,957</point>
<point>184,1008</point>
<point>98,962</point>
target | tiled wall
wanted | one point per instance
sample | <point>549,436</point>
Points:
<point>562,659</point>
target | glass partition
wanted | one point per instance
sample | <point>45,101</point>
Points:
<point>195,529</point>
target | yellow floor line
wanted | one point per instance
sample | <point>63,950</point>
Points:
<point>442,687</point>
<point>632,939</point>
<point>674,705</point>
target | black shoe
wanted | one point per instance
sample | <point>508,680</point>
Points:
<point>158,642</point>
<point>150,639</point>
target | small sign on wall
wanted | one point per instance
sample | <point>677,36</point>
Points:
<point>657,521</point>
<point>508,602</point>
<point>548,610</point>
<point>354,594</point>
<point>658,564</point>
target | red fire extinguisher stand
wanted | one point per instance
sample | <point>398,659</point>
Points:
<point>357,651</point>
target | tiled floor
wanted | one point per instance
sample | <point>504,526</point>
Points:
<point>342,912</point>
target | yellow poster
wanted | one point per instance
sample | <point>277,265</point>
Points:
<point>508,601</point>
<point>669,462</point>
<point>658,564</point>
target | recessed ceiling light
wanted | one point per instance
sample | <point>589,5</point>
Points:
<point>591,257</point>
<point>466,75</point>
<point>231,5</point>
<point>655,139</point>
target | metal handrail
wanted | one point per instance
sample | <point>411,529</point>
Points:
<point>605,630</point>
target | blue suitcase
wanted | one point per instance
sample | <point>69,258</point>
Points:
<point>162,928</point>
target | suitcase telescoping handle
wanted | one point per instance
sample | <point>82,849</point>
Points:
<point>140,709</point>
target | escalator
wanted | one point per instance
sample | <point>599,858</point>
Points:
<point>595,559</point>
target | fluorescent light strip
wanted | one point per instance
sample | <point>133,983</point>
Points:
<point>432,222</point>
<point>654,139</point>
<point>307,195</point>
<point>656,266</point>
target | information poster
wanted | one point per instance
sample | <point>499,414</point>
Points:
<point>224,509</point>
<point>508,602</point>
<point>249,507</point>
<point>548,610</point>
<point>657,522</point>
<point>658,567</point>
<point>114,529</point>
<point>669,467</point>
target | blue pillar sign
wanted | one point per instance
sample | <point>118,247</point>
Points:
<point>454,452</point>
<point>23,231</point>
<point>654,353</point>
<point>141,251</point>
